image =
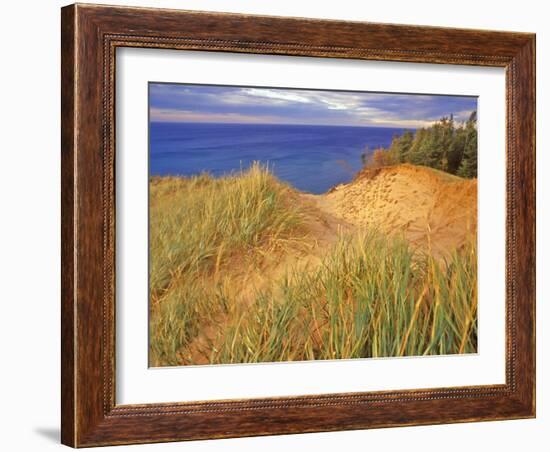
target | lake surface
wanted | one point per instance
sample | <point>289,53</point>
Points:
<point>311,158</point>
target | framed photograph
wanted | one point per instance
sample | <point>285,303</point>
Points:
<point>282,225</point>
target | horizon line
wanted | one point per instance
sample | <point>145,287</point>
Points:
<point>151,121</point>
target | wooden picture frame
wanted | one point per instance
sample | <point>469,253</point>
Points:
<point>90,36</point>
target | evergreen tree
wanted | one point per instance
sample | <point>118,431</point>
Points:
<point>417,153</point>
<point>444,146</point>
<point>468,165</point>
<point>401,145</point>
<point>456,151</point>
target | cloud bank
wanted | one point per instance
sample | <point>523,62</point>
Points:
<point>225,104</point>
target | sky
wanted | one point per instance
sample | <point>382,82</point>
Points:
<point>252,105</point>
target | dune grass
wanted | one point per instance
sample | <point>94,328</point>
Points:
<point>197,223</point>
<point>371,295</point>
<point>199,226</point>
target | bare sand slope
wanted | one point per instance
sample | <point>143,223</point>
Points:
<point>434,210</point>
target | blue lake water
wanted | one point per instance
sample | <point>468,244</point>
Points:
<point>311,158</point>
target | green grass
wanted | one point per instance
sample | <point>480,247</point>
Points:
<point>371,296</point>
<point>197,226</point>
<point>196,223</point>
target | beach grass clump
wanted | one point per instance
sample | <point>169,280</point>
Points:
<point>373,296</point>
<point>198,225</point>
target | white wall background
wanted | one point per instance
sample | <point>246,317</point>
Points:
<point>29,247</point>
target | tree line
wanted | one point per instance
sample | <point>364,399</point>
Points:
<point>446,146</point>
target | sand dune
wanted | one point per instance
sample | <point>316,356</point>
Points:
<point>434,210</point>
